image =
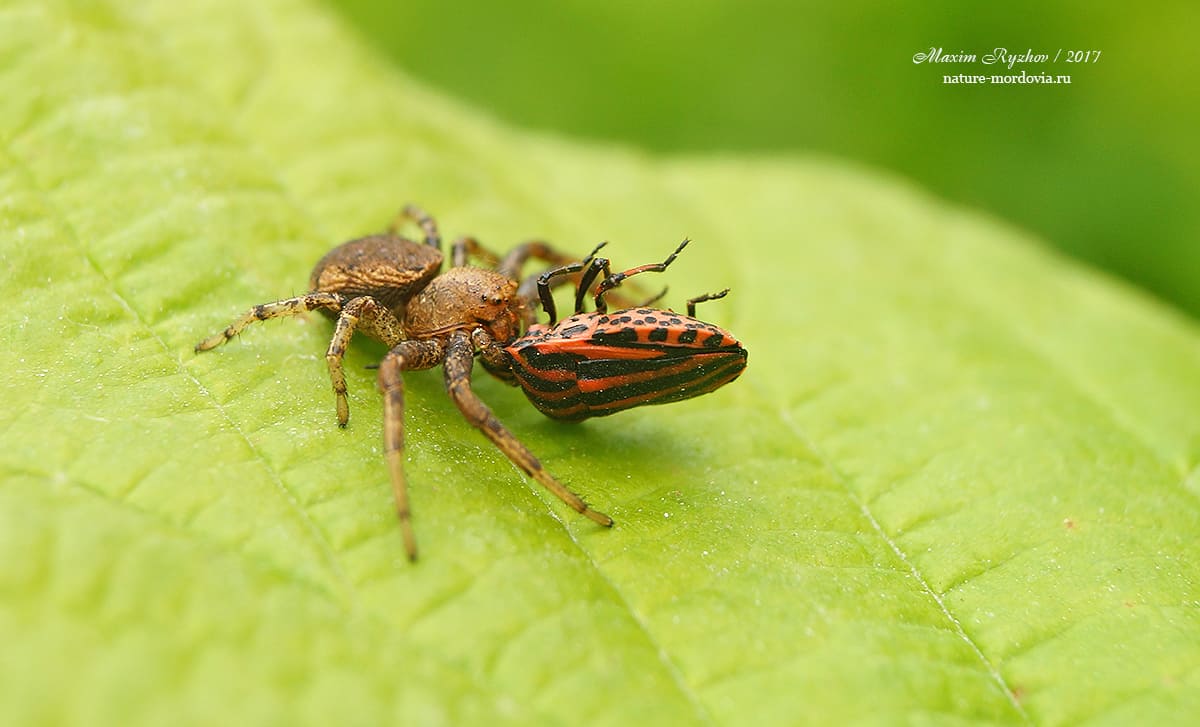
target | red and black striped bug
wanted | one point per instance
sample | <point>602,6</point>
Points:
<point>600,363</point>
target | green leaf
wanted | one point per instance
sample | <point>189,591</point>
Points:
<point>958,482</point>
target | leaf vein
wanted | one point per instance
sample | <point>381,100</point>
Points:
<point>912,567</point>
<point>344,588</point>
<point>664,658</point>
<point>170,526</point>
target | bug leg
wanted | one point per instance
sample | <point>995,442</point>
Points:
<point>545,281</point>
<point>457,366</point>
<point>612,281</point>
<point>655,298</point>
<point>265,311</point>
<point>405,356</point>
<point>538,286</point>
<point>513,263</point>
<point>424,221</point>
<point>691,304</point>
<point>372,318</point>
<point>527,291</point>
<point>588,279</point>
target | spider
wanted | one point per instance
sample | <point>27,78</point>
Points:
<point>389,288</point>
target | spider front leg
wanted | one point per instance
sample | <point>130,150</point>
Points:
<point>494,358</point>
<point>460,355</point>
<point>513,263</point>
<point>463,248</point>
<point>405,356</point>
<point>514,260</point>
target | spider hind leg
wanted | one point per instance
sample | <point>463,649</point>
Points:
<point>265,311</point>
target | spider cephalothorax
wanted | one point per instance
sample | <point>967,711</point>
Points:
<point>465,299</point>
<point>389,288</point>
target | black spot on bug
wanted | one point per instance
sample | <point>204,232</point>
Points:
<point>603,319</point>
<point>674,322</point>
<point>623,319</point>
<point>639,322</point>
<point>713,340</point>
<point>651,319</point>
<point>624,335</point>
<point>574,330</point>
<point>687,336</point>
<point>658,334</point>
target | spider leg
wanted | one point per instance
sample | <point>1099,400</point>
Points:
<point>371,317</point>
<point>514,260</point>
<point>495,361</point>
<point>701,298</point>
<point>265,311</point>
<point>513,264</point>
<point>405,356</point>
<point>464,247</point>
<point>460,355</point>
<point>527,292</point>
<point>423,220</point>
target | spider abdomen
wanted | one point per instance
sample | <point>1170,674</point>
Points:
<point>389,268</point>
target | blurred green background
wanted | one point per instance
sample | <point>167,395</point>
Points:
<point>1107,168</point>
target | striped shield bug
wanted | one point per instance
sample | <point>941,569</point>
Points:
<point>600,363</point>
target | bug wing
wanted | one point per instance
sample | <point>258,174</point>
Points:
<point>585,368</point>
<point>607,386</point>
